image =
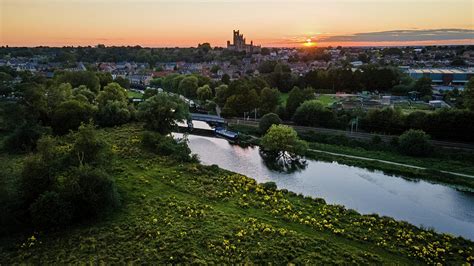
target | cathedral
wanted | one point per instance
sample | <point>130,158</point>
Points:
<point>240,44</point>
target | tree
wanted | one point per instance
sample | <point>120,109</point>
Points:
<point>267,67</point>
<point>423,86</point>
<point>222,93</point>
<point>225,79</point>
<point>161,112</point>
<point>313,113</point>
<point>215,69</point>
<point>113,113</point>
<point>87,78</point>
<point>269,99</point>
<point>387,120</point>
<point>238,104</point>
<point>104,78</point>
<point>295,98</point>
<point>415,143</point>
<point>88,147</point>
<point>282,148</point>
<point>204,93</point>
<point>149,93</point>
<point>82,93</point>
<point>156,82</point>
<point>70,114</point>
<point>57,94</point>
<point>469,95</point>
<point>112,92</point>
<point>267,121</point>
<point>188,86</point>
<point>123,82</point>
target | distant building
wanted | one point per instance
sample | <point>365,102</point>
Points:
<point>443,76</point>
<point>239,44</point>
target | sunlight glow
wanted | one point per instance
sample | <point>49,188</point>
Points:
<point>309,43</point>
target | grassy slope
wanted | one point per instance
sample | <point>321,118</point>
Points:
<point>190,213</point>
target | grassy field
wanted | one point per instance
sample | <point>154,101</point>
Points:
<point>283,98</point>
<point>326,100</point>
<point>453,164</point>
<point>189,213</point>
<point>134,94</point>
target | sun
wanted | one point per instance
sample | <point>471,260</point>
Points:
<point>309,43</point>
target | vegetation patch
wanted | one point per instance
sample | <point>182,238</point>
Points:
<point>189,213</point>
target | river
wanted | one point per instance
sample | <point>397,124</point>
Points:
<point>435,206</point>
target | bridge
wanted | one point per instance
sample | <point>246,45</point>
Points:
<point>213,119</point>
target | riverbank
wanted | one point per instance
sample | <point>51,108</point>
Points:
<point>435,169</point>
<point>189,213</point>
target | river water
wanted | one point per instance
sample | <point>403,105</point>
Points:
<point>436,206</point>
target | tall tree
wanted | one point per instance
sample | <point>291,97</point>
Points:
<point>161,112</point>
<point>469,95</point>
<point>295,98</point>
<point>269,99</point>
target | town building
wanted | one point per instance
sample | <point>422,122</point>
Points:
<point>444,76</point>
<point>239,44</point>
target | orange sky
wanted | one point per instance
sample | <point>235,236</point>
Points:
<point>158,23</point>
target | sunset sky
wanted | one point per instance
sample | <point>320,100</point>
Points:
<point>184,23</point>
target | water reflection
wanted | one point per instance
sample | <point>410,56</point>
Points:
<point>282,163</point>
<point>418,202</point>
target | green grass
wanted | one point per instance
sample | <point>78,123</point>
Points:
<point>446,160</point>
<point>283,98</point>
<point>134,94</point>
<point>326,99</point>
<point>189,213</point>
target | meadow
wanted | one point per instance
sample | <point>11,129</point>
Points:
<point>189,213</point>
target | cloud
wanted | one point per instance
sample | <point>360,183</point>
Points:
<point>403,36</point>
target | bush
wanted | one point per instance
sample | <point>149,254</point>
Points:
<point>376,140</point>
<point>50,210</point>
<point>88,147</point>
<point>35,178</point>
<point>415,143</point>
<point>91,191</point>
<point>269,185</point>
<point>267,121</point>
<point>24,138</point>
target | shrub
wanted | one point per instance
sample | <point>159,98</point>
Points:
<point>376,140</point>
<point>88,147</point>
<point>91,191</point>
<point>394,141</point>
<point>267,121</point>
<point>35,178</point>
<point>415,143</point>
<point>50,210</point>
<point>24,138</point>
<point>269,185</point>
